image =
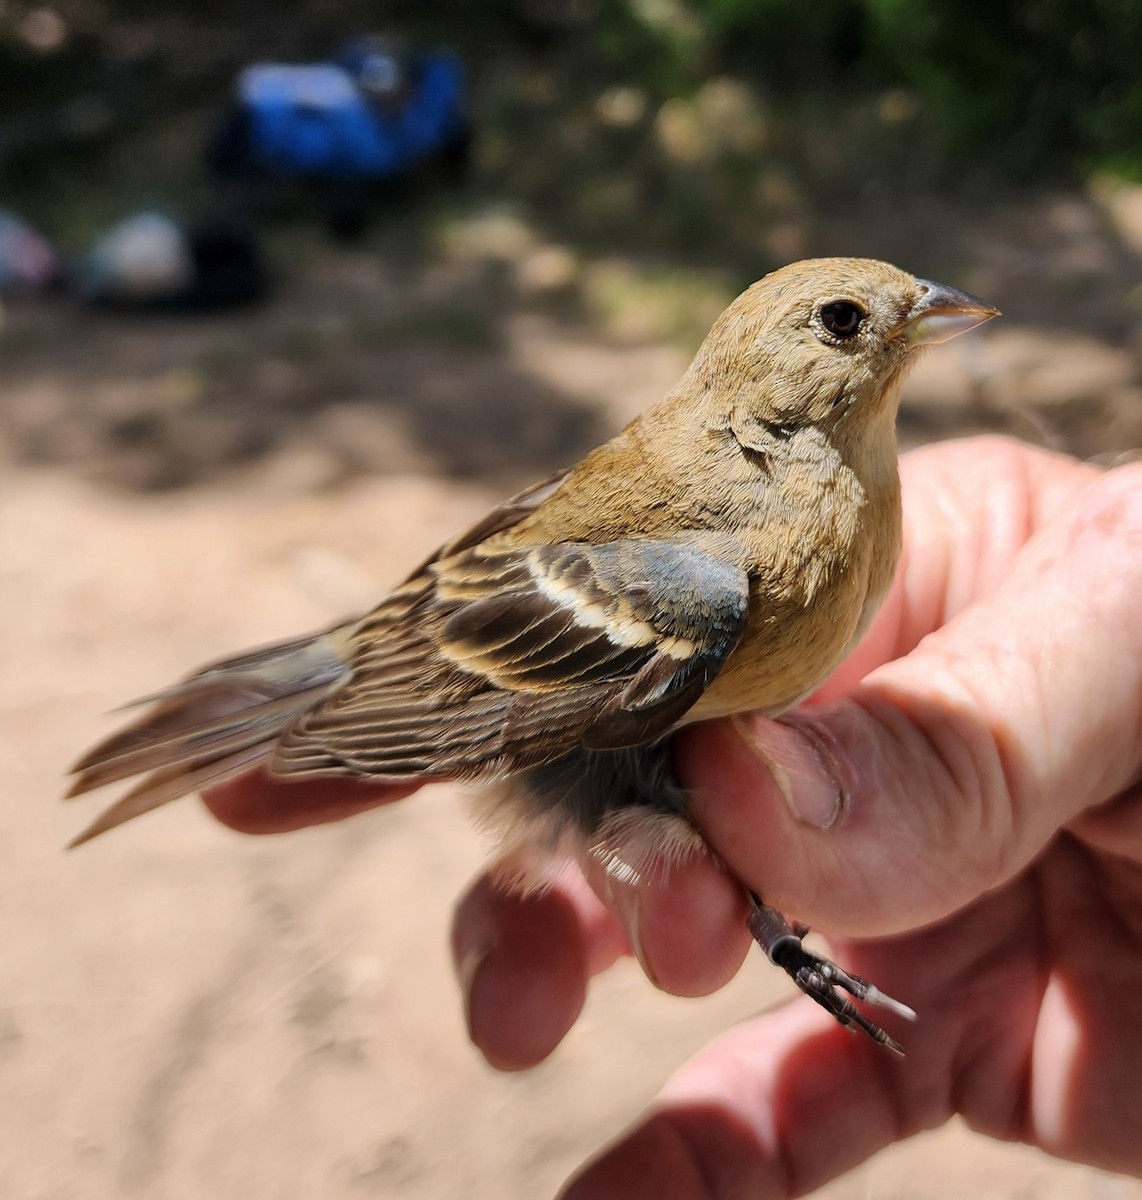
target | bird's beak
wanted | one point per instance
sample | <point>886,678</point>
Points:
<point>942,313</point>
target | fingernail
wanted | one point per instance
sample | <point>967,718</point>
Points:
<point>798,767</point>
<point>468,968</point>
<point>627,903</point>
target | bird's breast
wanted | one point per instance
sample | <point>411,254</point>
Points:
<point>820,571</point>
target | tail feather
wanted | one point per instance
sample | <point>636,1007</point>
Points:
<point>197,701</point>
<point>178,737</point>
<point>214,725</point>
<point>163,786</point>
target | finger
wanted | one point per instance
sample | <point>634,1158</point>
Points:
<point>948,770</point>
<point>772,1109</point>
<point>524,960</point>
<point>260,803</point>
<point>686,924</point>
<point>781,1104</point>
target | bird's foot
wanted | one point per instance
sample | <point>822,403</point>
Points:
<point>819,978</point>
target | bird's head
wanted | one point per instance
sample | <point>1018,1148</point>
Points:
<point>828,339</point>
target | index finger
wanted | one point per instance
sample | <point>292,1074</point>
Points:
<point>262,803</point>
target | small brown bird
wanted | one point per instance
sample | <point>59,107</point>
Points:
<point>721,554</point>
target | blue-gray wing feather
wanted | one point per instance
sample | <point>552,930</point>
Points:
<point>494,660</point>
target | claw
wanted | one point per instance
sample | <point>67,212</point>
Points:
<point>819,978</point>
<point>861,988</point>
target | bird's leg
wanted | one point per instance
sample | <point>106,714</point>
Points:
<point>819,978</point>
<point>629,803</point>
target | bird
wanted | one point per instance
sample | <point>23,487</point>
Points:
<point>721,554</point>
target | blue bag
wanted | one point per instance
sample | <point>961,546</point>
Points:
<point>366,120</point>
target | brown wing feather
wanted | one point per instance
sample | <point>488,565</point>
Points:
<point>482,661</point>
<point>514,656</point>
<point>161,787</point>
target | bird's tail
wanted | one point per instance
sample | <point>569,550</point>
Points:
<point>215,724</point>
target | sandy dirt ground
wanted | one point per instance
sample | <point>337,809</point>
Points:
<point>186,1012</point>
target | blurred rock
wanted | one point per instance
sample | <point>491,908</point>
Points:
<point>549,269</point>
<point>730,117</point>
<point>495,234</point>
<point>621,107</point>
<point>297,469</point>
<point>371,439</point>
<point>679,133</point>
<point>1123,203</point>
<point>1023,367</point>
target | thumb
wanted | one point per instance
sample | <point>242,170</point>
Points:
<point>945,772</point>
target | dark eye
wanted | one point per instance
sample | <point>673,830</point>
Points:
<point>842,318</point>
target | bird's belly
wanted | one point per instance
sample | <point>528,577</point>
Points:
<point>784,658</point>
<point>750,684</point>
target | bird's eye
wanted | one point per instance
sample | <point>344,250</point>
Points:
<point>842,319</point>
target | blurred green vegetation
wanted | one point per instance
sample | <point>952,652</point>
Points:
<point>716,135</point>
<point>1029,87</point>
<point>1032,87</point>
<point>636,163</point>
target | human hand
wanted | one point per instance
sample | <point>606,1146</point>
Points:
<point>976,767</point>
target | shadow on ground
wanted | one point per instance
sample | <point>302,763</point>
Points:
<point>348,372</point>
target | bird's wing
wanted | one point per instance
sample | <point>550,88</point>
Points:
<point>495,659</point>
<point>225,718</point>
